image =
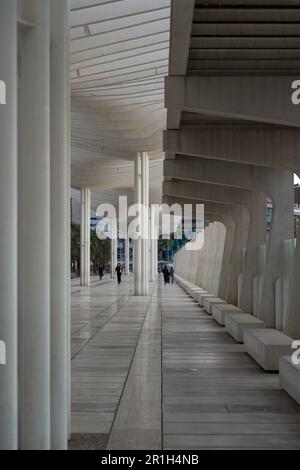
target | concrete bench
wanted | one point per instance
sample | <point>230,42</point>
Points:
<point>195,291</point>
<point>266,346</point>
<point>202,296</point>
<point>236,323</point>
<point>185,287</point>
<point>209,302</point>
<point>189,288</point>
<point>289,376</point>
<point>220,310</point>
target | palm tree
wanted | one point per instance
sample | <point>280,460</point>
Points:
<point>100,249</point>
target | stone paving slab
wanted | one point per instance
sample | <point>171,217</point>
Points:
<point>159,372</point>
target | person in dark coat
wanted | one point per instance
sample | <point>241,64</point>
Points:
<point>101,272</point>
<point>166,275</point>
<point>118,270</point>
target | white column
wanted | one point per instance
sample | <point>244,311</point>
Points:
<point>114,256</point>
<point>153,259</point>
<point>145,223</point>
<point>34,232</point>
<point>150,247</point>
<point>8,217</point>
<point>126,243</point>
<point>153,242</point>
<point>137,242</point>
<point>60,219</point>
<point>133,257</point>
<point>85,237</point>
<point>156,258</point>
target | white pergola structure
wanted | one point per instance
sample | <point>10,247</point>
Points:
<point>119,58</point>
<point>118,53</point>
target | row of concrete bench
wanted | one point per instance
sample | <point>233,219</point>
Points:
<point>270,348</point>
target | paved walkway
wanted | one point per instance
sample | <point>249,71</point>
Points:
<point>158,372</point>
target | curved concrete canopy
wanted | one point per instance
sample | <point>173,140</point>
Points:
<point>119,58</point>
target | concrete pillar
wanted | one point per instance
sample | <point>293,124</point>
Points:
<point>8,217</point>
<point>60,220</point>
<point>127,254</point>
<point>156,258</point>
<point>153,231</point>
<point>256,237</point>
<point>240,218</point>
<point>209,265</point>
<point>292,320</point>
<point>141,245</point>
<point>282,226</point>
<point>133,257</point>
<point>254,201</point>
<point>220,239</point>
<point>229,223</point>
<point>114,256</point>
<point>85,237</point>
<point>138,241</point>
<point>34,232</point>
<point>145,223</point>
<point>276,183</point>
<point>153,260</point>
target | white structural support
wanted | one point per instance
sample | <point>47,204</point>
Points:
<point>8,216</point>
<point>145,223</point>
<point>141,244</point>
<point>114,256</point>
<point>59,165</point>
<point>186,93</point>
<point>85,237</point>
<point>127,255</point>
<point>138,241</point>
<point>34,231</point>
<point>153,260</point>
<point>153,241</point>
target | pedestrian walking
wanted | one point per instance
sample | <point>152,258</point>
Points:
<point>118,270</point>
<point>101,272</point>
<point>166,275</point>
<point>172,275</point>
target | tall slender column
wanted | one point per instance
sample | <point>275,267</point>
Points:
<point>145,223</point>
<point>151,276</point>
<point>126,264</point>
<point>154,259</point>
<point>114,256</point>
<point>85,237</point>
<point>153,242</point>
<point>59,163</point>
<point>34,232</point>
<point>8,217</point>
<point>137,241</point>
<point>141,245</point>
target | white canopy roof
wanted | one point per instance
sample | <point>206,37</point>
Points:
<point>119,58</point>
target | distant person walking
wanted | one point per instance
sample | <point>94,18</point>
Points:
<point>118,270</point>
<point>166,275</point>
<point>172,275</point>
<point>101,272</point>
